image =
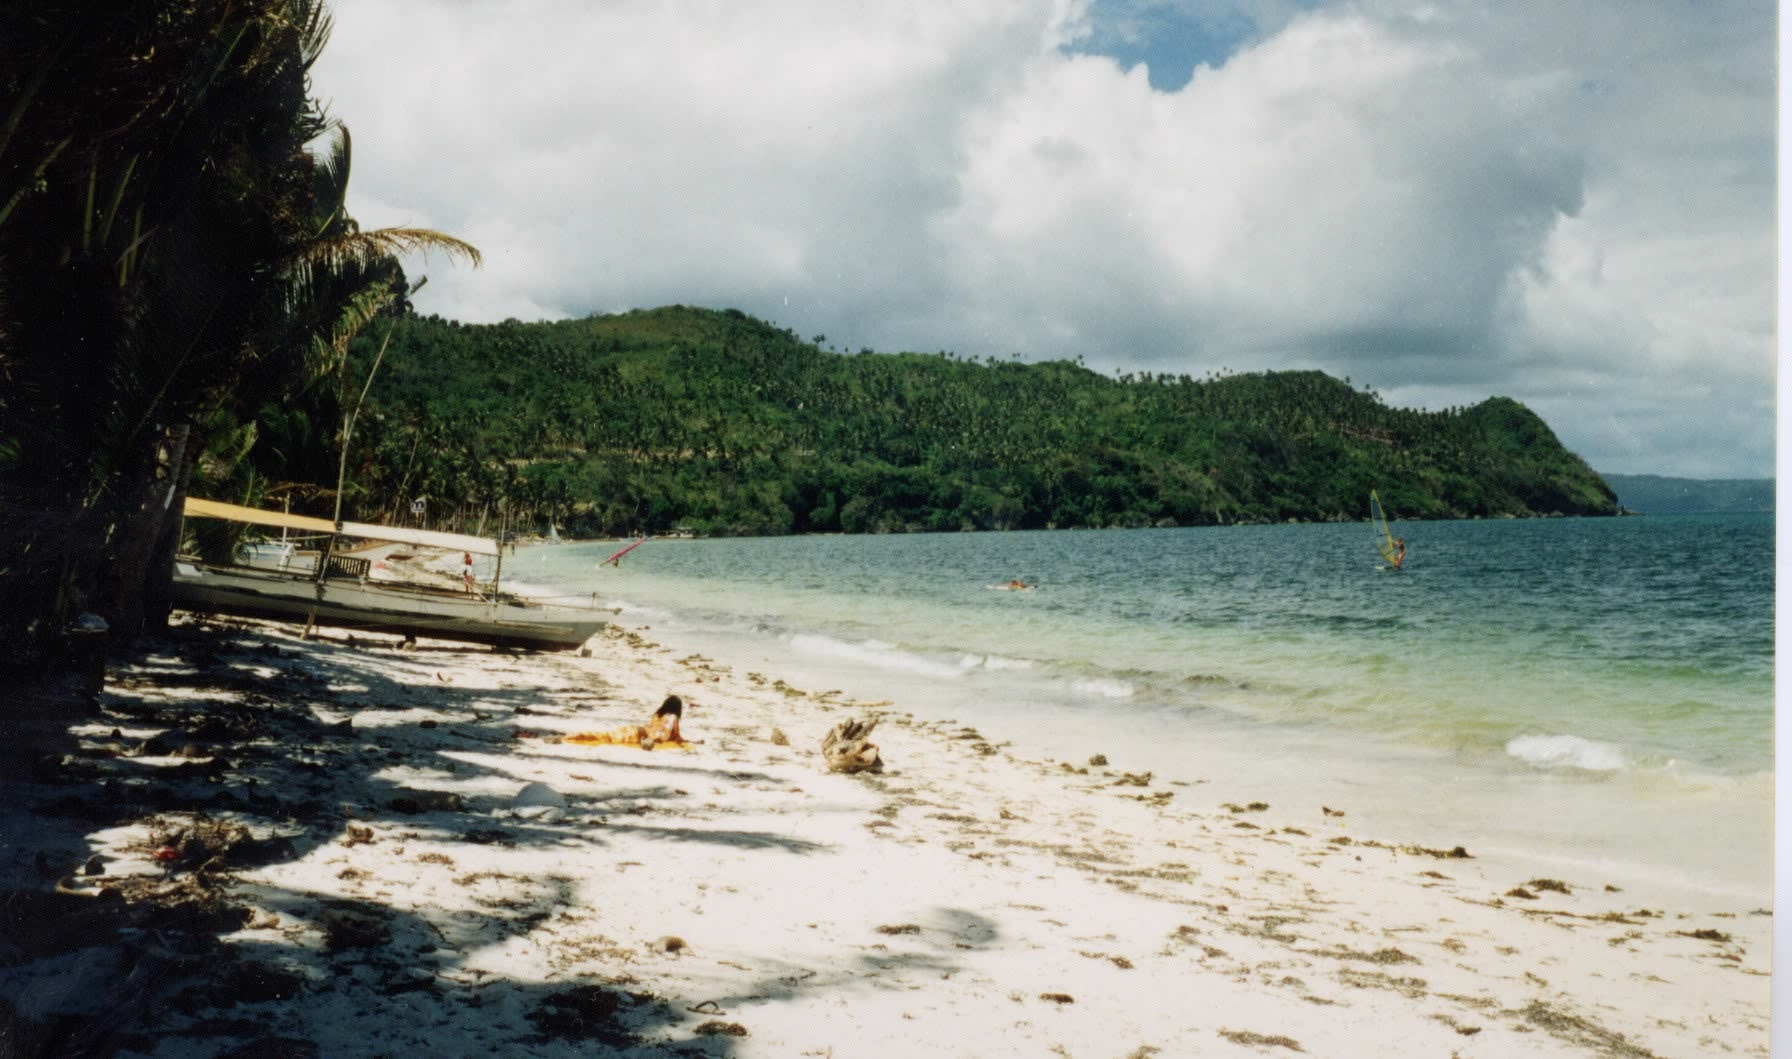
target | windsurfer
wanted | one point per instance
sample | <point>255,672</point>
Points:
<point>1399,556</point>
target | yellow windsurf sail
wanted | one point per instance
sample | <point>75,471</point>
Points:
<point>1384,540</point>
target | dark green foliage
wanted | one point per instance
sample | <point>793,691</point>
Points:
<point>716,421</point>
<point>153,180</point>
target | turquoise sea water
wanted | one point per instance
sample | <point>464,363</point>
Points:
<point>1595,690</point>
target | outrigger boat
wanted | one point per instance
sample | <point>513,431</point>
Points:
<point>334,588</point>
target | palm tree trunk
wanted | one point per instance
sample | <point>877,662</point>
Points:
<point>133,574</point>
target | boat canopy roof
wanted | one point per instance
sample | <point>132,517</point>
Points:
<point>459,542</point>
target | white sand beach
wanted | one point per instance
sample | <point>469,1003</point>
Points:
<point>382,852</point>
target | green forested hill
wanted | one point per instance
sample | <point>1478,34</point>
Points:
<point>716,421</point>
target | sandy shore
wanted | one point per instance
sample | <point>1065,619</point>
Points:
<point>336,848</point>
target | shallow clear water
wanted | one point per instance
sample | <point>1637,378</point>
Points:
<point>1590,689</point>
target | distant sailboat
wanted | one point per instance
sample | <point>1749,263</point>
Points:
<point>553,534</point>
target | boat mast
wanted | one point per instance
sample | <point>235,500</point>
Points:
<point>348,431</point>
<point>503,525</point>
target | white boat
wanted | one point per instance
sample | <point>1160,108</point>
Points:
<point>347,597</point>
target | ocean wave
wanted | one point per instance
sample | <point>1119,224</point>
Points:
<point>993,663</point>
<point>874,653</point>
<point>1106,689</point>
<point>1566,751</point>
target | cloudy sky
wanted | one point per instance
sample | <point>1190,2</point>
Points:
<point>1569,204</point>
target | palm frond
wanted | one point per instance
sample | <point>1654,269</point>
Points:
<point>332,255</point>
<point>314,23</point>
<point>329,351</point>
<point>329,180</point>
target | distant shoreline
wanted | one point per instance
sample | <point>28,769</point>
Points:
<point>1653,494</point>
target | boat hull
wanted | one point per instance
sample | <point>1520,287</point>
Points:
<point>504,622</point>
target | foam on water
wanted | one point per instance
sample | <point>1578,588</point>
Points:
<point>873,653</point>
<point>1103,689</point>
<point>994,663</point>
<point>1567,751</point>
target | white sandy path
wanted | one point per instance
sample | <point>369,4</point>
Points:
<point>1168,921</point>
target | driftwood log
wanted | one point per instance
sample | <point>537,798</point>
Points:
<point>847,748</point>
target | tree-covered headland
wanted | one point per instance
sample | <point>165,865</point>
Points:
<point>725,424</point>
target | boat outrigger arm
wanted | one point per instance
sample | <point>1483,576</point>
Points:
<point>458,542</point>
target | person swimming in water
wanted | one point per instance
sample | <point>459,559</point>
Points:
<point>662,727</point>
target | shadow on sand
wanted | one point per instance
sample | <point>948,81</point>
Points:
<point>223,751</point>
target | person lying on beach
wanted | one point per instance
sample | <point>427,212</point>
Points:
<point>661,730</point>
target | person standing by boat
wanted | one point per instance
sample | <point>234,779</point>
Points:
<point>466,574</point>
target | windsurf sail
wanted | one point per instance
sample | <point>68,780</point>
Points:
<point>616,560</point>
<point>1384,540</point>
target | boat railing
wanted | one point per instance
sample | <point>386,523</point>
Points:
<point>348,566</point>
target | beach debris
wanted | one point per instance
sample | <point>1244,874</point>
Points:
<point>670,944</point>
<point>1058,998</point>
<point>778,738</point>
<point>205,844</point>
<point>1453,853</point>
<point>585,1012</point>
<point>348,928</point>
<point>411,802</point>
<point>1329,811</point>
<point>716,1027</point>
<point>1551,885</point>
<point>1129,779</point>
<point>899,928</point>
<point>1246,1037</point>
<point>1097,760</point>
<point>847,748</point>
<point>357,835</point>
<point>1522,893</point>
<point>1585,1033</point>
<point>1706,934</point>
<point>538,801</point>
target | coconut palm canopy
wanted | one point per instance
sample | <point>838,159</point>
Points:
<point>173,250</point>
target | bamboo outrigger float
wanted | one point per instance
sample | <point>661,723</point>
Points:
<point>335,589</point>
